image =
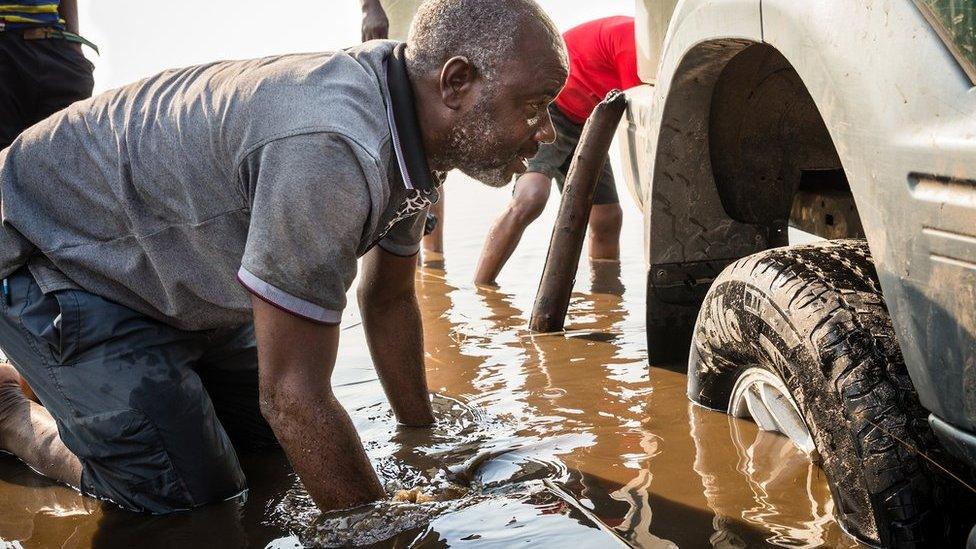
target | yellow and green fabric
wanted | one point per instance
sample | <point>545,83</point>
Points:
<point>30,13</point>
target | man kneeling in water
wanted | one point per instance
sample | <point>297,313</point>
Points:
<point>175,253</point>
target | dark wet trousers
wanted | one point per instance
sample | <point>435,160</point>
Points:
<point>153,413</point>
<point>38,78</point>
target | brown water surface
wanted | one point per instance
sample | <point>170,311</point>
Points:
<point>541,439</point>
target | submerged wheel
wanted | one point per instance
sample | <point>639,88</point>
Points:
<point>761,395</point>
<point>799,339</point>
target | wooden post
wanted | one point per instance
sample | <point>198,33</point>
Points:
<point>559,274</point>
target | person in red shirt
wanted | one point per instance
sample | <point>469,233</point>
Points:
<point>602,57</point>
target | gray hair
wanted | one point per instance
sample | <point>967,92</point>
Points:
<point>487,32</point>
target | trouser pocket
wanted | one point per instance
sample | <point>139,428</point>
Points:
<point>67,325</point>
<point>124,460</point>
<point>53,319</point>
<point>126,398</point>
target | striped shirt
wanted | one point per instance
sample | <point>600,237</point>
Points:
<point>22,14</point>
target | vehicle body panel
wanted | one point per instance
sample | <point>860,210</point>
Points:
<point>654,16</point>
<point>902,116</point>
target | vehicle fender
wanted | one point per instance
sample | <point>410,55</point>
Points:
<point>692,24</point>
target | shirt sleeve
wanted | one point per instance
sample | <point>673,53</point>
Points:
<point>623,51</point>
<point>310,206</point>
<point>404,237</point>
<point>626,61</point>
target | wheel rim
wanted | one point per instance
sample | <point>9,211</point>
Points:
<point>761,395</point>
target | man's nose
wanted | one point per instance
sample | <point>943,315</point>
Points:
<point>546,132</point>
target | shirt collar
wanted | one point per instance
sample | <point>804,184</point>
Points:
<point>407,141</point>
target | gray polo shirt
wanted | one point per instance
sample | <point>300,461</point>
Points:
<point>175,193</point>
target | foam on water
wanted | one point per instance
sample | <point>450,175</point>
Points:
<point>467,459</point>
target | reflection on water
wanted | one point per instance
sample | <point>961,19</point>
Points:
<point>545,439</point>
<point>779,488</point>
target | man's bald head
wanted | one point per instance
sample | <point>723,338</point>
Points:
<point>487,32</point>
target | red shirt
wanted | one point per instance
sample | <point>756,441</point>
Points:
<point>602,57</point>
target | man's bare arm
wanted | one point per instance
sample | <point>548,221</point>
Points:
<point>394,331</point>
<point>375,23</point>
<point>295,362</point>
<point>68,10</point>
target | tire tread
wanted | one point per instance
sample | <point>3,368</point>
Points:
<point>853,387</point>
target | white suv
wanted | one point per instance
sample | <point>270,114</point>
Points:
<point>854,120</point>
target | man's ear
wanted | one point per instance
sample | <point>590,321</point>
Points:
<point>457,80</point>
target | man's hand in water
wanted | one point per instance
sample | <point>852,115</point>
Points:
<point>295,362</point>
<point>375,23</point>
<point>394,331</point>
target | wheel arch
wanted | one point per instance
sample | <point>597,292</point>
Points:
<point>694,225</point>
<point>897,106</point>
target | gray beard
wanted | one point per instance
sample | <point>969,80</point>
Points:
<point>472,142</point>
<point>493,177</point>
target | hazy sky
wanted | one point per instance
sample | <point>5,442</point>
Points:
<point>140,37</point>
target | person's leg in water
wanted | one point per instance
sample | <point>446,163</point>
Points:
<point>434,242</point>
<point>606,218</point>
<point>531,194</point>
<point>28,431</point>
<point>604,232</point>
<point>124,415</point>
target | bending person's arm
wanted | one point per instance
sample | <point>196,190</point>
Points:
<point>295,362</point>
<point>394,331</point>
<point>375,23</point>
<point>310,202</point>
<point>68,10</point>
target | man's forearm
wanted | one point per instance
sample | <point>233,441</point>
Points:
<point>375,23</point>
<point>68,10</point>
<point>295,362</point>
<point>394,331</point>
<point>322,445</point>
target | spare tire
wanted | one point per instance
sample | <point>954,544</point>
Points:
<point>800,339</point>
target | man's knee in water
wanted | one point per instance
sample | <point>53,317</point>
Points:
<point>606,221</point>
<point>530,197</point>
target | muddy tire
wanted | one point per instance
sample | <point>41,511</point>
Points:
<point>813,317</point>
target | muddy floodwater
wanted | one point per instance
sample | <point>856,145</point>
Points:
<point>541,441</point>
